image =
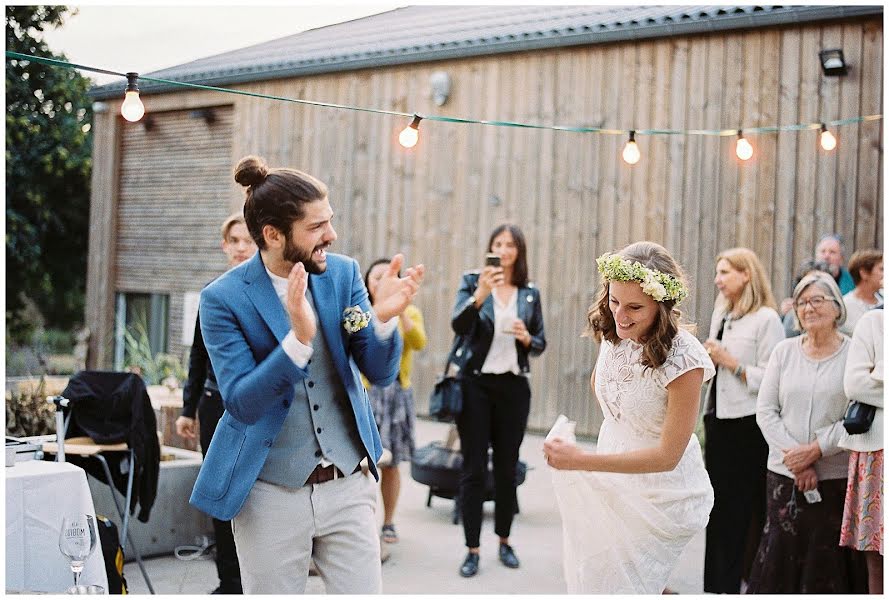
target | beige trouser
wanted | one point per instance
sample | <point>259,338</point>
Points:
<point>280,529</point>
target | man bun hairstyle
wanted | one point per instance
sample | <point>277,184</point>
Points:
<point>274,196</point>
<point>251,170</point>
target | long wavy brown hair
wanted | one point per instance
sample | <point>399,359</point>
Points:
<point>658,340</point>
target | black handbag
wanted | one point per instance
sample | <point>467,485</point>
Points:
<point>446,401</point>
<point>859,417</point>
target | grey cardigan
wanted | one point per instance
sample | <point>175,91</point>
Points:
<point>801,400</point>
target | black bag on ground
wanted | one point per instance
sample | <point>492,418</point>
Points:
<point>113,553</point>
<point>446,400</point>
<point>438,465</point>
<point>859,417</point>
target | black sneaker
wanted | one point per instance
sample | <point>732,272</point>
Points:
<point>508,557</point>
<point>470,565</point>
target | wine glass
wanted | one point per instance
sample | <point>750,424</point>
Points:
<point>77,541</point>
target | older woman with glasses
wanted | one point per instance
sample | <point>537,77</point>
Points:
<point>800,410</point>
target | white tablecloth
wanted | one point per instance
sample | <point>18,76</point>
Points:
<point>38,494</point>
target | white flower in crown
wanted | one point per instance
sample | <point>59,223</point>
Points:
<point>653,287</point>
<point>355,319</point>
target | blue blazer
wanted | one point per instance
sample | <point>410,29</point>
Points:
<point>243,323</point>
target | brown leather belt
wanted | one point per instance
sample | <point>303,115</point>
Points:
<point>324,474</point>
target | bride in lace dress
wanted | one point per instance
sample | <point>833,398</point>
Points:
<point>630,507</point>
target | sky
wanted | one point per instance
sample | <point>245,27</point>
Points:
<point>148,37</point>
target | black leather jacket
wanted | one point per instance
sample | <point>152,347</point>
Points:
<point>477,325</point>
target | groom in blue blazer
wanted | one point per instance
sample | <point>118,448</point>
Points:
<point>287,333</point>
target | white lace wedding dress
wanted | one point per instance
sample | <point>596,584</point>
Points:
<point>623,533</point>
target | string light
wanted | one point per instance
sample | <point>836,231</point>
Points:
<point>410,134</point>
<point>828,141</point>
<point>743,148</point>
<point>631,154</point>
<point>132,108</point>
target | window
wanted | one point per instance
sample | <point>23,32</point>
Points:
<point>143,316</point>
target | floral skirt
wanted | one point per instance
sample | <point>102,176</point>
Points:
<point>393,408</point>
<point>863,513</point>
<point>798,552</point>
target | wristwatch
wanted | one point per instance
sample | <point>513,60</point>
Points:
<point>472,300</point>
<point>739,370</point>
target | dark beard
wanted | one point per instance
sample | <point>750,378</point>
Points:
<point>293,255</point>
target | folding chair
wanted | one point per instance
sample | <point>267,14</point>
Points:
<point>87,449</point>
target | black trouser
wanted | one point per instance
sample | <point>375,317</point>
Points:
<point>736,456</point>
<point>210,410</point>
<point>495,413</point>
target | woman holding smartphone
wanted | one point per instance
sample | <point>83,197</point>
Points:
<point>498,313</point>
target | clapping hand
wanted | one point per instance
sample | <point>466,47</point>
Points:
<point>393,293</point>
<point>302,317</point>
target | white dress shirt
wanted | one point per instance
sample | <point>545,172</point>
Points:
<point>502,355</point>
<point>855,309</point>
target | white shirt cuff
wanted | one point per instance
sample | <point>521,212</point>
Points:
<point>298,352</point>
<point>384,330</point>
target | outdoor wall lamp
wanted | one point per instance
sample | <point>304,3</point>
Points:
<point>440,82</point>
<point>206,114</point>
<point>832,62</point>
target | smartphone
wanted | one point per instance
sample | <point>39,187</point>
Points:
<point>812,496</point>
<point>492,260</point>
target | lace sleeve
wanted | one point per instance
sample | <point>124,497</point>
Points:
<point>686,354</point>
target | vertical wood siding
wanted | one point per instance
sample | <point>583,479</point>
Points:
<point>571,193</point>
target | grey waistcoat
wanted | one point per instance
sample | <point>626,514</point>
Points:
<point>320,417</point>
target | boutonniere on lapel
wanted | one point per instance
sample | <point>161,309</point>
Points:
<point>355,319</point>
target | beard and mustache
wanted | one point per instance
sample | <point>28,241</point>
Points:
<point>294,254</point>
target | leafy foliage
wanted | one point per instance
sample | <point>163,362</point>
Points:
<point>48,166</point>
<point>28,413</point>
<point>154,368</point>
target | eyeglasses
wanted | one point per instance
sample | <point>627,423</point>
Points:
<point>816,302</point>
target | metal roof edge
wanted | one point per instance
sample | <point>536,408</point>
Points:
<point>459,50</point>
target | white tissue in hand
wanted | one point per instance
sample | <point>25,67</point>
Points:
<point>563,429</point>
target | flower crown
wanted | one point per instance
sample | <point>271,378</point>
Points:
<point>659,286</point>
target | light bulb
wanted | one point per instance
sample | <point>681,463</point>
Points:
<point>631,153</point>
<point>410,135</point>
<point>132,108</point>
<point>828,141</point>
<point>743,148</point>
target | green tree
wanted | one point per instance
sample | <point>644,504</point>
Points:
<point>48,165</point>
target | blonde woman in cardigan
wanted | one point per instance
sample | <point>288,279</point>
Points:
<point>748,328</point>
<point>393,405</point>
<point>862,528</point>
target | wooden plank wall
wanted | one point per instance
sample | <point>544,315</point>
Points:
<point>571,193</point>
<point>174,196</point>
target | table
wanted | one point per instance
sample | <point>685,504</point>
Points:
<point>38,494</point>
